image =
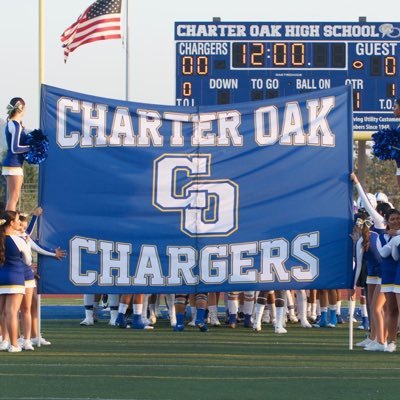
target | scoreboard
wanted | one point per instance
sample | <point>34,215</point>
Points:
<point>231,62</point>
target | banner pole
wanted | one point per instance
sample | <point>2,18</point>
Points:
<point>126,50</point>
<point>41,75</point>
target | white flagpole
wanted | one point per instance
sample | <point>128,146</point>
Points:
<point>41,75</point>
<point>127,67</point>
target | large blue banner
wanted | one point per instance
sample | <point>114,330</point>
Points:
<point>161,199</point>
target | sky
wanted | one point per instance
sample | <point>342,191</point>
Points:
<point>99,68</point>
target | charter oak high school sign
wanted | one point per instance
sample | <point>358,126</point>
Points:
<point>149,198</point>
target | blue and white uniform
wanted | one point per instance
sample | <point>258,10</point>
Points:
<point>26,253</point>
<point>395,251</point>
<point>12,278</point>
<point>372,258</point>
<point>389,265</point>
<point>16,143</point>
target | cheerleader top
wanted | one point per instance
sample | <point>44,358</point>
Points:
<point>16,143</point>
<point>14,248</point>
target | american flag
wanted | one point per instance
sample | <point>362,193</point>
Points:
<point>101,21</point>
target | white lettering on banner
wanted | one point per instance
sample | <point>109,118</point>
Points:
<point>108,263</point>
<point>211,129</point>
<point>206,207</point>
<point>319,134</point>
<point>262,261</point>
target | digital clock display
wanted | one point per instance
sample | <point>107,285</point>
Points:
<point>227,62</point>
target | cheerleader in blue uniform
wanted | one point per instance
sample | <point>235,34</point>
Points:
<point>16,142</point>
<point>29,319</point>
<point>389,270</point>
<point>371,224</point>
<point>12,280</point>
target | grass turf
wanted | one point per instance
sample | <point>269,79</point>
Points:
<point>101,362</point>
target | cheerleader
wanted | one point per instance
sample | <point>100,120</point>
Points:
<point>12,282</point>
<point>16,143</point>
<point>389,270</point>
<point>371,224</point>
<point>30,319</point>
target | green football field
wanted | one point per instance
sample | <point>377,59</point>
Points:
<point>101,362</point>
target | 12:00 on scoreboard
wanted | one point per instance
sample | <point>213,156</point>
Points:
<point>221,63</point>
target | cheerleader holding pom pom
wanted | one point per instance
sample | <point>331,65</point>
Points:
<point>21,145</point>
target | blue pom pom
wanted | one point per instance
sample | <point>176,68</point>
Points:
<point>387,144</point>
<point>39,147</point>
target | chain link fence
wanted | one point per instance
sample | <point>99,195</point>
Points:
<point>29,195</point>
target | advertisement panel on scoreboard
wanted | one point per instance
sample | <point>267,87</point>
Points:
<point>232,62</point>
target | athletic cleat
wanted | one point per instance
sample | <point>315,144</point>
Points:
<point>364,324</point>
<point>247,321</point>
<point>232,321</point>
<point>266,318</point>
<point>305,324</point>
<point>140,325</point>
<point>293,319</point>
<point>257,328</point>
<point>330,325</point>
<point>87,322</point>
<point>280,330</point>
<point>14,349</point>
<point>192,323</point>
<point>27,345</point>
<point>153,319</point>
<point>179,328</point>
<point>202,327</point>
<point>339,319</point>
<point>320,324</point>
<point>43,342</point>
<point>120,322</point>
<point>364,343</point>
<point>4,345</point>
<point>214,321</point>
<point>391,347</point>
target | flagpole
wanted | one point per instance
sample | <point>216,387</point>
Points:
<point>41,80</point>
<point>126,50</point>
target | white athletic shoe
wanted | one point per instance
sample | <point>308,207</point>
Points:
<point>87,322</point>
<point>266,318</point>
<point>293,319</point>
<point>192,323</point>
<point>305,324</point>
<point>27,345</point>
<point>4,345</point>
<point>153,319</point>
<point>280,329</point>
<point>391,347</point>
<point>43,341</point>
<point>173,322</point>
<point>257,328</point>
<point>364,343</point>
<point>214,321</point>
<point>14,349</point>
<point>375,346</point>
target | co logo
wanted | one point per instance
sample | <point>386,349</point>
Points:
<point>207,207</point>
